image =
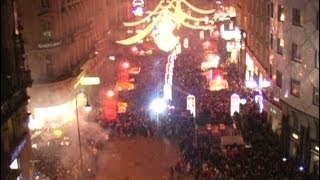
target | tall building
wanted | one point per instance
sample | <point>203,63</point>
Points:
<point>15,79</point>
<point>283,36</point>
<point>65,40</point>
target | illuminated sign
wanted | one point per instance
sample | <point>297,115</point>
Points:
<point>259,99</point>
<point>49,45</point>
<point>191,104</point>
<point>234,104</point>
<point>186,43</point>
<point>89,81</point>
<point>167,91</point>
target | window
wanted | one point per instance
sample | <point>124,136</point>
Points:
<point>49,66</point>
<point>316,96</point>
<point>280,45</point>
<point>46,29</point>
<point>44,3</point>
<point>317,59</point>
<point>281,16</point>
<point>279,79</point>
<point>295,88</point>
<point>296,17</point>
<point>271,41</point>
<point>295,53</point>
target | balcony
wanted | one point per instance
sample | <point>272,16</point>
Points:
<point>26,80</point>
<point>10,104</point>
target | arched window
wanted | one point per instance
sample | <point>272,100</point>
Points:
<point>46,29</point>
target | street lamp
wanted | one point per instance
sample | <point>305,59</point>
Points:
<point>87,108</point>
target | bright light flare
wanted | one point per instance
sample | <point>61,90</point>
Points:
<point>87,108</point>
<point>158,105</point>
<point>166,41</point>
<point>125,65</point>
<point>138,11</point>
<point>110,93</point>
<point>57,133</point>
<point>134,49</point>
<point>295,136</point>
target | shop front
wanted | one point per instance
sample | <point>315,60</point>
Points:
<point>314,158</point>
<point>274,115</point>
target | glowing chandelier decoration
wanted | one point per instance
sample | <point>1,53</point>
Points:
<point>138,7</point>
<point>167,16</point>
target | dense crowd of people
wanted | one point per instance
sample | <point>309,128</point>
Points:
<point>202,157</point>
<point>262,158</point>
<point>58,156</point>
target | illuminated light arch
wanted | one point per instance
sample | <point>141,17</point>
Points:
<point>162,13</point>
<point>140,35</point>
<point>180,13</point>
<point>195,27</point>
<point>198,10</point>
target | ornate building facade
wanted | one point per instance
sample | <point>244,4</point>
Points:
<point>15,79</point>
<point>64,41</point>
<point>284,39</point>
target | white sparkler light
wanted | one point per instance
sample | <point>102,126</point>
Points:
<point>158,105</point>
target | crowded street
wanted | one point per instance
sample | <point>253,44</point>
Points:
<point>165,114</point>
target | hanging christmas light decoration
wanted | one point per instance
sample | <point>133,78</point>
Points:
<point>138,7</point>
<point>167,16</point>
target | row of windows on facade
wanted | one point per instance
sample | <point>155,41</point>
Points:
<point>295,88</point>
<point>296,51</point>
<point>296,15</point>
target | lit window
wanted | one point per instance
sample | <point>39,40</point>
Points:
<point>295,53</point>
<point>296,17</point>
<point>316,96</point>
<point>280,45</point>
<point>279,79</point>
<point>295,88</point>
<point>281,16</point>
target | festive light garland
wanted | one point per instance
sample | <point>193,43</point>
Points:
<point>163,13</point>
<point>140,35</point>
<point>198,10</point>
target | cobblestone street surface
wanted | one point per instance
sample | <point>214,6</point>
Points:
<point>137,158</point>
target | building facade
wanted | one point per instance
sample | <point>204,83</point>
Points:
<point>289,54</point>
<point>64,41</point>
<point>15,79</point>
